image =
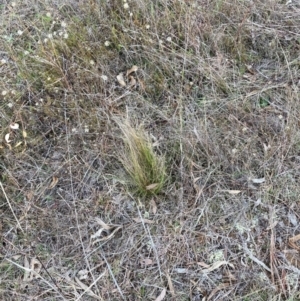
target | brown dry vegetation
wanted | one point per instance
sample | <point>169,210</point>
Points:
<point>217,90</point>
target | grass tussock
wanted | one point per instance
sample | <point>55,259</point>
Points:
<point>146,169</point>
<point>215,85</point>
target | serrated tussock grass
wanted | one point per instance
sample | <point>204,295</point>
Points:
<point>146,169</point>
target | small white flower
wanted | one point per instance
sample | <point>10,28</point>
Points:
<point>131,14</point>
<point>10,105</point>
<point>4,93</point>
<point>60,33</point>
<point>92,62</point>
<point>13,4</point>
<point>48,15</point>
<point>66,36</point>
<point>45,40</point>
<point>169,39</point>
<point>104,77</point>
<point>126,6</point>
<point>26,52</point>
<point>147,26</point>
<point>63,24</point>
<point>107,43</point>
<point>50,36</point>
<point>48,78</point>
<point>19,32</point>
<point>3,61</point>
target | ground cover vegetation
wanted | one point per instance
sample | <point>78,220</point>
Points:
<point>149,150</point>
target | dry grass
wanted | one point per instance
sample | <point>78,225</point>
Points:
<point>216,90</point>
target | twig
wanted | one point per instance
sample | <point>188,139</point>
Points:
<point>253,258</point>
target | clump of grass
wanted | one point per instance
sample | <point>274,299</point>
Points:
<point>146,169</point>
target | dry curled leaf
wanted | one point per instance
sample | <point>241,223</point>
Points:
<point>161,295</point>
<point>53,183</point>
<point>87,289</point>
<point>152,186</point>
<point>233,191</point>
<point>258,181</point>
<point>293,240</point>
<point>7,138</point>
<point>132,81</point>
<point>146,261</point>
<point>121,80</point>
<point>132,69</point>
<point>216,289</point>
<point>105,237</point>
<point>83,274</point>
<point>14,126</point>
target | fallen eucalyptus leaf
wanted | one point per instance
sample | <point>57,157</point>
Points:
<point>216,265</point>
<point>143,220</point>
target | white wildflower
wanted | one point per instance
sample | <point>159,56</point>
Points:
<point>66,36</point>
<point>48,15</point>
<point>19,32</point>
<point>4,93</point>
<point>107,43</point>
<point>169,39</point>
<point>63,24</point>
<point>126,6</point>
<point>147,26</point>
<point>104,77</point>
